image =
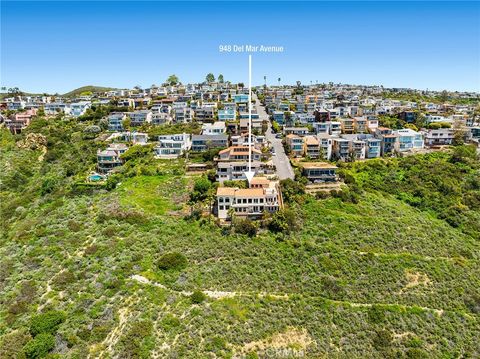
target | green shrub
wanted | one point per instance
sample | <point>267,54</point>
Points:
<point>284,221</point>
<point>416,353</point>
<point>39,346</point>
<point>291,189</point>
<point>376,314</point>
<point>197,297</point>
<point>48,186</point>
<point>245,226</point>
<point>173,260</point>
<point>12,344</point>
<point>46,322</point>
<point>382,339</point>
<point>200,189</point>
<point>134,344</point>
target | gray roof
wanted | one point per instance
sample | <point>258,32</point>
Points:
<point>219,137</point>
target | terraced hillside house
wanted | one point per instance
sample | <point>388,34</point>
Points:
<point>227,114</point>
<point>295,144</point>
<point>311,146</point>
<point>235,170</point>
<point>439,137</point>
<point>115,121</point>
<point>239,153</point>
<point>215,128</point>
<point>409,139</point>
<point>139,118</point>
<point>18,121</point>
<point>110,158</point>
<point>204,142</point>
<point>319,172</point>
<point>262,196</point>
<point>172,146</point>
<point>79,108</point>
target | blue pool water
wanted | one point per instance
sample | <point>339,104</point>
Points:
<point>96,178</point>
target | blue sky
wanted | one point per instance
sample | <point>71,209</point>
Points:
<point>58,46</point>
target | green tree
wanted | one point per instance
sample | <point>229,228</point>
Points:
<point>210,78</point>
<point>443,96</point>
<point>126,123</point>
<point>220,78</point>
<point>172,80</point>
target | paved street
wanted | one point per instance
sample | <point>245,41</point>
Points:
<point>280,159</point>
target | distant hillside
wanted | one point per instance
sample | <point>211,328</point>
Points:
<point>83,89</point>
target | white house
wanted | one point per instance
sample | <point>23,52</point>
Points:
<point>173,146</point>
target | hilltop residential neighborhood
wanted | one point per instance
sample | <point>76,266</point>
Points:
<point>239,179</point>
<point>297,131</point>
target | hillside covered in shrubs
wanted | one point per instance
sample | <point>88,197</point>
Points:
<point>135,268</point>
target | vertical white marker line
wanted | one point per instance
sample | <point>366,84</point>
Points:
<point>249,174</point>
<point>249,113</point>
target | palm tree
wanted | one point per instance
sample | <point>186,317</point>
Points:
<point>279,79</point>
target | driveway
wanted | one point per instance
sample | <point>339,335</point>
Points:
<point>280,159</point>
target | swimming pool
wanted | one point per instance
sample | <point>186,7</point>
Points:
<point>95,177</point>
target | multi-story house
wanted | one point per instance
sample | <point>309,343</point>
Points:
<point>347,125</point>
<point>388,138</point>
<point>18,121</point>
<point>335,128</point>
<point>325,141</point>
<point>205,113</point>
<point>439,137</point>
<point>235,170</point>
<point>262,196</point>
<point>279,117</point>
<point>408,116</point>
<point>215,128</point>
<point>372,123</point>
<point>409,139</point>
<point>373,147</point>
<point>16,105</point>
<point>341,149</point>
<point>110,158</point>
<point>138,118</point>
<point>204,142</point>
<point>225,114</point>
<point>258,141</point>
<point>295,143</point>
<point>182,115</point>
<point>318,172</point>
<point>79,108</point>
<point>115,121</point>
<point>239,153</point>
<point>172,146</point>
<point>240,98</point>
<point>256,124</point>
<point>311,147</point>
<point>360,124</point>
<point>55,108</point>
<point>359,149</point>
<point>161,118</point>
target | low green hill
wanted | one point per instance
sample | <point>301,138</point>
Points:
<point>87,89</point>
